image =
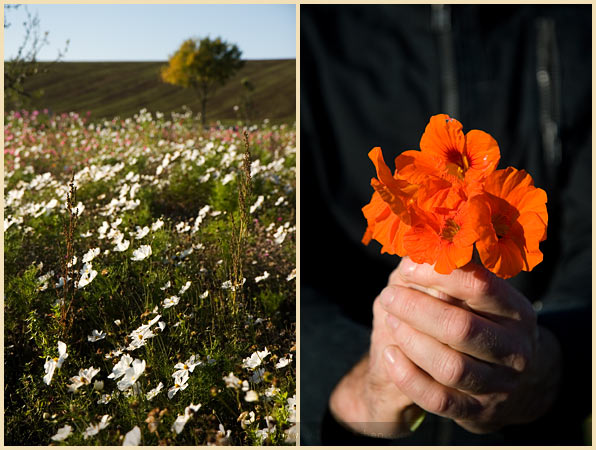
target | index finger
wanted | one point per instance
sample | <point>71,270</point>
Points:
<point>481,290</point>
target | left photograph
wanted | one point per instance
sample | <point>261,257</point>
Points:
<point>149,224</point>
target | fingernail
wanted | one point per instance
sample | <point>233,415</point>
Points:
<point>407,267</point>
<point>392,321</point>
<point>387,296</point>
<point>390,355</point>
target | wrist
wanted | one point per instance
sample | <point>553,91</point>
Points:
<point>364,403</point>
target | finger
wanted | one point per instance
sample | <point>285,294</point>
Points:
<point>462,330</point>
<point>426,392</point>
<point>446,365</point>
<point>483,291</point>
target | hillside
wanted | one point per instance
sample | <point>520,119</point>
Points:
<point>109,89</point>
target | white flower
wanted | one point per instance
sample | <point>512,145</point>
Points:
<point>180,421</point>
<point>87,275</point>
<point>280,235</point>
<point>251,396</point>
<point>232,381</point>
<point>171,301</point>
<point>223,433</point>
<point>204,295</point>
<point>180,383</point>
<point>187,366</point>
<point>88,257</point>
<point>226,284</point>
<point>103,229</point>
<point>62,355</point>
<point>141,253</point>
<point>84,377</point>
<point>142,232</point>
<point>133,437</point>
<point>62,433</point>
<point>120,368</point>
<point>73,261</point>
<point>291,435</point>
<point>262,277</point>
<point>157,225</point>
<point>98,385</point>
<point>52,363</point>
<point>254,360</point>
<point>184,288</point>
<point>227,178</point>
<point>117,322</point>
<point>166,286</point>
<point>104,399</point>
<point>153,392</point>
<point>271,391</point>
<point>283,362</point>
<point>182,227</point>
<point>140,338</point>
<point>122,245</point>
<point>291,407</point>
<point>292,275</point>
<point>280,200</point>
<point>257,204</point>
<point>96,336</point>
<point>244,422</point>
<point>92,429</point>
<point>183,254</point>
<point>132,374</point>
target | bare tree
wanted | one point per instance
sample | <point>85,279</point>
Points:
<point>22,66</point>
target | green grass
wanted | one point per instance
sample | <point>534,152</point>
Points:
<point>110,89</point>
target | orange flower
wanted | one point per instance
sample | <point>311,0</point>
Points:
<point>514,217</point>
<point>444,240</point>
<point>389,212</point>
<point>451,166</point>
<point>459,158</point>
<point>442,200</point>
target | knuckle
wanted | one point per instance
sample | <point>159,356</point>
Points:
<point>520,358</point>
<point>441,403</point>
<point>483,283</point>
<point>405,304</point>
<point>458,324</point>
<point>452,370</point>
<point>405,340</point>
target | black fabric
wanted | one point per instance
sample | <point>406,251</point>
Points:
<point>370,77</point>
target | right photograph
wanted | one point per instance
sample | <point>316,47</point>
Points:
<point>446,225</point>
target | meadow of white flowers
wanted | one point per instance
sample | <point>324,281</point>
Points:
<point>124,322</point>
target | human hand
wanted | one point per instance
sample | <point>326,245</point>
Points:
<point>366,400</point>
<point>464,346</point>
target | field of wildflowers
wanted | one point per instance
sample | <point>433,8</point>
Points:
<point>149,272</point>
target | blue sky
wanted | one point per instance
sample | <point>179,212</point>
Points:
<point>154,32</point>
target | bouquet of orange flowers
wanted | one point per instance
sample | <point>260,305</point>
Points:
<point>448,197</point>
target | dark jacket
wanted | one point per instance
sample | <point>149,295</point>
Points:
<point>373,75</point>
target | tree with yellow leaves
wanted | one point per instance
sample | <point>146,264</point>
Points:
<point>203,65</point>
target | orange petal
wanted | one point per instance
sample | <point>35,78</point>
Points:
<point>422,244</point>
<point>482,152</point>
<point>452,256</point>
<point>509,259</point>
<point>442,136</point>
